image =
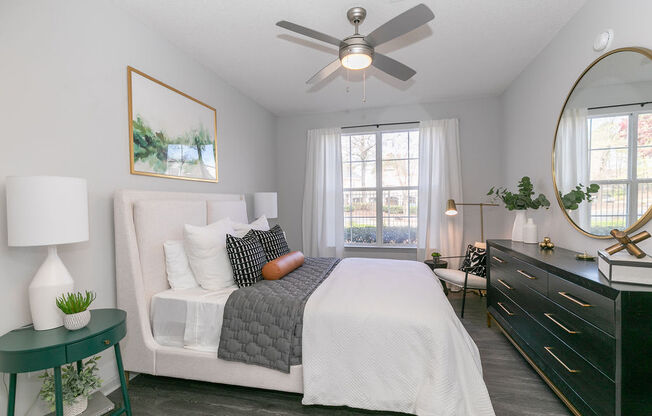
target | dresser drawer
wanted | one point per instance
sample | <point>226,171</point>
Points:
<point>588,305</point>
<point>594,345</point>
<point>590,384</point>
<point>96,344</point>
<point>517,271</point>
<point>513,314</point>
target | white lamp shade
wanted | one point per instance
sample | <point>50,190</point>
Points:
<point>265,204</point>
<point>46,210</point>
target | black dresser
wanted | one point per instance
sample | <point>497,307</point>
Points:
<point>589,339</point>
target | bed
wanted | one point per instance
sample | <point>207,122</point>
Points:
<point>377,334</point>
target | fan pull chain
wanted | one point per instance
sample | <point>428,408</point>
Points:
<point>364,86</point>
<point>348,88</point>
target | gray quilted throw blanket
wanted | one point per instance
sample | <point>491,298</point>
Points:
<point>263,323</point>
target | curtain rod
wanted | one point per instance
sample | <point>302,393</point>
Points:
<point>619,105</point>
<point>377,125</point>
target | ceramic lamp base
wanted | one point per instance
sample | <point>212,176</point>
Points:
<point>51,280</point>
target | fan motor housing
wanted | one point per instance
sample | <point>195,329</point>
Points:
<point>355,45</point>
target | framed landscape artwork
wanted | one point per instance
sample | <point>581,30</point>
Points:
<point>171,134</point>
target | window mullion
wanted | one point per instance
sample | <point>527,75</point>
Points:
<point>379,189</point>
<point>632,210</point>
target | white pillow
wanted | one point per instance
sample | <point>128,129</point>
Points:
<point>176,264</point>
<point>242,229</point>
<point>206,250</point>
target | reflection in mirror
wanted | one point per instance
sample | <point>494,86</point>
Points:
<point>603,147</point>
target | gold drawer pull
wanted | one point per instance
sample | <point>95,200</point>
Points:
<point>575,300</point>
<point>107,341</point>
<point>559,324</point>
<point>570,370</point>
<point>529,276</point>
<point>505,284</point>
<point>498,259</point>
<point>505,309</point>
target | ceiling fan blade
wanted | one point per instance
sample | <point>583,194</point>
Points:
<point>302,30</point>
<point>401,24</point>
<point>325,72</point>
<point>392,67</point>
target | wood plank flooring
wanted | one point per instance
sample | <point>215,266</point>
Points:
<point>514,387</point>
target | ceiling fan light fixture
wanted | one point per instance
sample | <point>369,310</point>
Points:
<point>356,61</point>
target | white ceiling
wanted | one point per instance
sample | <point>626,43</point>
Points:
<point>472,48</point>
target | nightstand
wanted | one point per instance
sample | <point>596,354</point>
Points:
<point>25,350</point>
<point>441,264</point>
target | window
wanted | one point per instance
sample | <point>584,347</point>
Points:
<point>625,188</point>
<point>380,174</point>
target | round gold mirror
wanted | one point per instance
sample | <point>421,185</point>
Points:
<point>602,154</point>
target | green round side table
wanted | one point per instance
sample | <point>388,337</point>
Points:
<point>25,350</point>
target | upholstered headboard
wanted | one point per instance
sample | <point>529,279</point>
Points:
<point>144,220</point>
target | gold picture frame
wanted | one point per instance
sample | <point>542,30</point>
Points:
<point>170,137</point>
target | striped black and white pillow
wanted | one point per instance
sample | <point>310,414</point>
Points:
<point>273,242</point>
<point>247,258</point>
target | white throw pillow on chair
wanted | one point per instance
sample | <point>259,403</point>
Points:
<point>206,250</point>
<point>180,275</point>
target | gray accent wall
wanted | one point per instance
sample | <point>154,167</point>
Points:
<point>482,162</point>
<point>63,111</point>
<point>532,103</point>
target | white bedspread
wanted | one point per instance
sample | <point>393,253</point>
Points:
<point>381,335</point>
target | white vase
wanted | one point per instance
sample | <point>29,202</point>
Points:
<point>519,223</point>
<point>77,321</point>
<point>530,232</point>
<point>78,407</point>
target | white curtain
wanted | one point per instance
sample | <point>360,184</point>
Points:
<point>440,179</point>
<point>323,215</point>
<point>572,159</point>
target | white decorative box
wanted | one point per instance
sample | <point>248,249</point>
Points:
<point>625,268</point>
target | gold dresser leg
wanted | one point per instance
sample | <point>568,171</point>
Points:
<point>488,320</point>
<point>127,377</point>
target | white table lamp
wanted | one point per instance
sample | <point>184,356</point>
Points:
<point>265,204</point>
<point>47,211</point>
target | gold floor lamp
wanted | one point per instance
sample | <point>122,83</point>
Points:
<point>451,209</point>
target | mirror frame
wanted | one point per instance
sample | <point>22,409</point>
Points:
<point>648,214</point>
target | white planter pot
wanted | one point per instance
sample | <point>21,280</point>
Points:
<point>78,407</point>
<point>519,223</point>
<point>77,320</point>
<point>530,232</point>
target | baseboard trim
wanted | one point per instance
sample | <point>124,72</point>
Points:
<point>545,378</point>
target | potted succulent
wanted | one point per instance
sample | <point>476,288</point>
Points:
<point>76,387</point>
<point>75,307</point>
<point>520,202</point>
<point>436,256</point>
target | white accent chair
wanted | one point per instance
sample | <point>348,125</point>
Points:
<point>462,277</point>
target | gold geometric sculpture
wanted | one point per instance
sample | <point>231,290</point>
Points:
<point>627,243</point>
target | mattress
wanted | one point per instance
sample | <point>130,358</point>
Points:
<point>189,318</point>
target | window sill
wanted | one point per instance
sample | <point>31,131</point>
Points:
<point>384,247</point>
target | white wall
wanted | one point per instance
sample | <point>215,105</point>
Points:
<point>533,101</point>
<point>482,160</point>
<point>63,111</point>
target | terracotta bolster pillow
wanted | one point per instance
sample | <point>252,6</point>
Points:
<point>283,265</point>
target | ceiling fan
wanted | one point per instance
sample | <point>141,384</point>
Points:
<point>358,51</point>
